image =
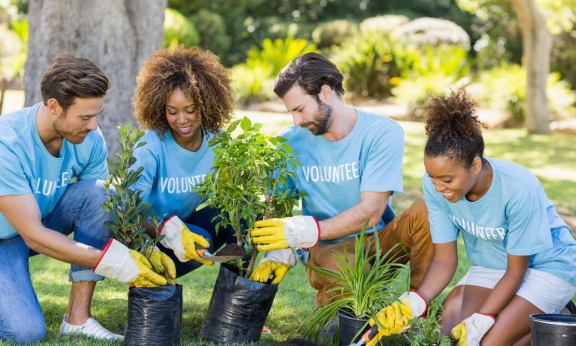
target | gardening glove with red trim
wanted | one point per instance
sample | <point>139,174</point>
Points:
<point>127,266</point>
<point>182,241</point>
<point>275,263</point>
<point>288,232</point>
<point>162,264</point>
<point>472,329</point>
<point>396,317</point>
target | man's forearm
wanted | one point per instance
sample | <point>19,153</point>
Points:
<point>351,220</point>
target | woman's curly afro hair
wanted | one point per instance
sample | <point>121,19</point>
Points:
<point>199,74</point>
<point>453,128</point>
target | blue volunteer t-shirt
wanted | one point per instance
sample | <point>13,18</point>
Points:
<point>333,174</point>
<point>514,217</point>
<point>169,172</point>
<point>27,167</point>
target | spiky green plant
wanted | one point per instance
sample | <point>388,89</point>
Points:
<point>363,286</point>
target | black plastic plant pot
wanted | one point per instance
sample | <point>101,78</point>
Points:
<point>349,327</point>
<point>553,330</point>
<point>154,316</point>
<point>238,308</point>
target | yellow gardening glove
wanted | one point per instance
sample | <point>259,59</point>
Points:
<point>396,317</point>
<point>182,241</point>
<point>472,329</point>
<point>162,264</point>
<point>288,232</point>
<point>275,263</point>
<point>127,266</point>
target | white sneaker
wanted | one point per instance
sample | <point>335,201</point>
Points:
<point>91,328</point>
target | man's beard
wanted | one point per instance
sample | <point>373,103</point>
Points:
<point>60,127</point>
<point>322,119</point>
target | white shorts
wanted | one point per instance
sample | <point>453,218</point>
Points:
<point>547,292</point>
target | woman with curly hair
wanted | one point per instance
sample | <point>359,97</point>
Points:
<point>523,254</point>
<point>183,98</point>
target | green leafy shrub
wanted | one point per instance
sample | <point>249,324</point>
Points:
<point>363,286</point>
<point>563,56</point>
<point>278,53</point>
<point>126,207</point>
<point>383,25</point>
<point>179,30</point>
<point>11,48</point>
<point>368,62</point>
<point>248,169</point>
<point>333,33</point>
<point>430,70</point>
<point>432,31</point>
<point>252,83</point>
<point>425,331</point>
<point>504,88</point>
<point>212,32</point>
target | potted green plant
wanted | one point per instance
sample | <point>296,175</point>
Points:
<point>155,313</point>
<point>248,171</point>
<point>362,287</point>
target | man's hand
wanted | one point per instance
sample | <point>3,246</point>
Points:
<point>275,263</point>
<point>163,265</point>
<point>127,266</point>
<point>472,329</point>
<point>182,241</point>
<point>396,317</point>
<point>289,232</point>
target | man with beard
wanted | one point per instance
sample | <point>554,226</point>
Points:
<point>42,149</point>
<point>351,165</point>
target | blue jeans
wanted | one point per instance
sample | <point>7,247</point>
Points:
<point>78,211</point>
<point>200,222</point>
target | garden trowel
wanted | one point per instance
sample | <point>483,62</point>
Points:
<point>369,335</point>
<point>204,254</point>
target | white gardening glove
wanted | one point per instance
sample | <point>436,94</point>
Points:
<point>396,317</point>
<point>182,241</point>
<point>472,329</point>
<point>275,263</point>
<point>127,266</point>
<point>289,232</point>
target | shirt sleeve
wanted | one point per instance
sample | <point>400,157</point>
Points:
<point>442,228</point>
<point>147,159</point>
<point>528,224</point>
<point>97,167</point>
<point>13,181</point>
<point>383,168</point>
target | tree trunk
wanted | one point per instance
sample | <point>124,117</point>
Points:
<point>115,35</point>
<point>537,46</point>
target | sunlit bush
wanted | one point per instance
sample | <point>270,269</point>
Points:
<point>504,88</point>
<point>179,30</point>
<point>278,53</point>
<point>334,33</point>
<point>430,70</point>
<point>212,32</point>
<point>253,81</point>
<point>383,25</point>
<point>11,48</point>
<point>432,31</point>
<point>368,63</point>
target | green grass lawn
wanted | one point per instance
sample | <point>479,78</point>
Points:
<point>551,158</point>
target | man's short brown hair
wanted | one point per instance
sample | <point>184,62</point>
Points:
<point>72,77</point>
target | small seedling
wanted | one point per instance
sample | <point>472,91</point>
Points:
<point>126,206</point>
<point>425,331</point>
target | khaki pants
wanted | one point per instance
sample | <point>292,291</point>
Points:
<point>410,227</point>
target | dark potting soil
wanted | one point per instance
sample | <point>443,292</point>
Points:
<point>231,250</point>
<point>297,342</point>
